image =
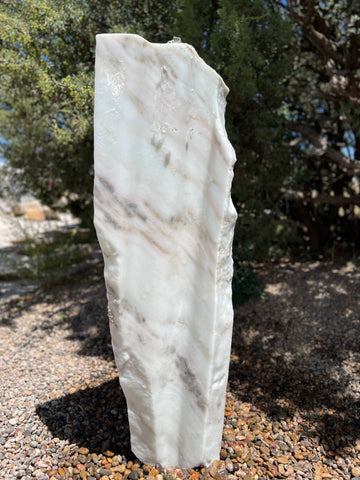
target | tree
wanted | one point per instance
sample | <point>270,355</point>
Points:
<point>324,122</point>
<point>196,23</point>
<point>249,43</point>
<point>46,86</point>
<point>256,58</point>
<point>310,104</point>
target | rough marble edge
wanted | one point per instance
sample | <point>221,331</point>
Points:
<point>224,261</point>
<point>171,44</point>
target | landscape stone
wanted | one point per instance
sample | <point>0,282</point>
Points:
<point>165,221</point>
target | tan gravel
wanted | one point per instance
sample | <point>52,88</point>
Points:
<point>293,404</point>
<point>307,325</point>
<point>297,352</point>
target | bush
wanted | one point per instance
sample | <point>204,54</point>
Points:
<point>50,258</point>
<point>246,282</point>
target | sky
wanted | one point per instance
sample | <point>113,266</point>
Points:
<point>2,159</point>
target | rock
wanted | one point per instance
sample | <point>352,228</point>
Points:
<point>355,471</point>
<point>30,208</point>
<point>105,471</point>
<point>298,455</point>
<point>229,465</point>
<point>146,468</point>
<point>229,435</point>
<point>283,460</point>
<point>34,214</point>
<point>159,468</point>
<point>83,451</point>
<point>118,468</point>
<point>223,454</point>
<point>49,213</point>
<point>168,236</point>
<point>16,211</point>
<point>133,475</point>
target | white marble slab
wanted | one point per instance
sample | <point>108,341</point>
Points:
<point>165,220</point>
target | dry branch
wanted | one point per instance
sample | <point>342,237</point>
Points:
<point>352,167</point>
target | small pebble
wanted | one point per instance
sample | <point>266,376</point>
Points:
<point>105,471</point>
<point>355,471</point>
<point>133,475</point>
<point>223,454</point>
<point>229,465</point>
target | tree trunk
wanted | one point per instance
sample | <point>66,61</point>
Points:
<point>311,225</point>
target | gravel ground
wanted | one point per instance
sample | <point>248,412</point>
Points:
<point>293,401</point>
<point>14,229</point>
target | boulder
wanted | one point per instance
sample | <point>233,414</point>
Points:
<point>35,214</point>
<point>31,209</point>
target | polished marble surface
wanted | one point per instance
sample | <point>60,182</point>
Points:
<point>165,220</point>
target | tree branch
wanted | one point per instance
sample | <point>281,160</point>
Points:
<point>323,44</point>
<point>337,200</point>
<point>310,12</point>
<point>352,167</point>
<point>319,40</point>
<point>318,198</point>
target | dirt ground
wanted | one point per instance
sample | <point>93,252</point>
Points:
<point>300,345</point>
<point>293,401</point>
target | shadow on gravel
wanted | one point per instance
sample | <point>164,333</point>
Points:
<point>297,352</point>
<point>78,306</point>
<point>95,418</point>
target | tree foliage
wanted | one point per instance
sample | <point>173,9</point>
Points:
<point>293,115</point>
<point>256,56</point>
<point>293,109</point>
<point>46,87</point>
<point>324,122</point>
<point>249,44</point>
<point>46,97</point>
